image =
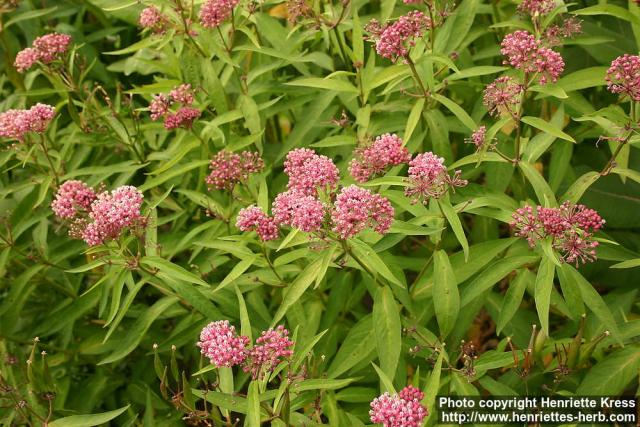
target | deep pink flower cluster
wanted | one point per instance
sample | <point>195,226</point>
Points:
<point>399,410</point>
<point>271,348</point>
<point>71,196</point>
<point>536,7</point>
<point>152,19</point>
<point>570,226</point>
<point>394,39</point>
<point>97,218</point>
<point>387,150</point>
<point>524,52</point>
<point>16,124</point>
<point>253,218</point>
<point>478,137</point>
<point>184,116</point>
<point>357,208</point>
<point>502,96</point>
<point>298,210</point>
<point>429,179</point>
<point>215,12</point>
<point>229,169</point>
<point>220,343</point>
<point>45,49</point>
<point>308,172</point>
<point>623,76</point>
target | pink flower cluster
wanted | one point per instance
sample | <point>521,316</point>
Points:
<point>16,124</point>
<point>394,39</point>
<point>298,210</point>
<point>524,52</point>
<point>253,218</point>
<point>478,137</point>
<point>221,344</point>
<point>536,7</point>
<point>399,410</point>
<point>502,96</point>
<point>387,150</point>
<point>97,218</point>
<point>429,179</point>
<point>152,19</point>
<point>45,49</point>
<point>184,116</point>
<point>570,226</point>
<point>229,169</point>
<point>308,172</point>
<point>215,12</point>
<point>356,208</point>
<point>623,76</point>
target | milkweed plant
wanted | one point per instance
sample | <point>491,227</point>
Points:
<point>304,213</point>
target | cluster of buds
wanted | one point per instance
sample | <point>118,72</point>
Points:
<point>153,20</point>
<point>429,178</point>
<point>373,160</point>
<point>98,217</point>
<point>45,49</point>
<point>229,169</point>
<point>184,116</point>
<point>399,410</point>
<point>394,39</point>
<point>214,12</point>
<point>623,76</point>
<point>526,53</point>
<point>222,345</point>
<point>570,227</point>
<point>17,124</point>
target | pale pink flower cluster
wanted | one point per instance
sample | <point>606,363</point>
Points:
<point>16,124</point>
<point>97,218</point>
<point>253,218</point>
<point>429,179</point>
<point>229,169</point>
<point>71,196</point>
<point>394,39</point>
<point>45,49</point>
<point>152,19</point>
<point>399,410</point>
<point>298,210</point>
<point>221,344</point>
<point>387,150</point>
<point>308,172</point>
<point>570,226</point>
<point>502,96</point>
<point>623,76</point>
<point>478,137</point>
<point>357,208</point>
<point>184,116</point>
<point>569,27</point>
<point>272,347</point>
<point>536,7</point>
<point>215,12</point>
<point>524,52</point>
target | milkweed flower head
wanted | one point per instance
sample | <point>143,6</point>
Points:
<point>72,196</point>
<point>569,226</point>
<point>44,49</point>
<point>215,12</point>
<point>569,27</point>
<point>272,347</point>
<point>25,59</point>
<point>229,169</point>
<point>429,178</point>
<point>387,150</point>
<point>399,410</point>
<point>183,118</point>
<point>394,39</point>
<point>356,209</point>
<point>478,137</point>
<point>220,343</point>
<point>253,218</point>
<point>524,52</point>
<point>623,76</point>
<point>309,172</point>
<point>16,124</point>
<point>180,97</point>
<point>536,7</point>
<point>152,19</point>
<point>298,210</point>
<point>502,96</point>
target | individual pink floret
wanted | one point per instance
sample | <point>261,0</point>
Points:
<point>220,343</point>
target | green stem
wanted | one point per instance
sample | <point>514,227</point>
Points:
<point>416,76</point>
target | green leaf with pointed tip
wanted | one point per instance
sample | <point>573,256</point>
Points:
<point>446,298</point>
<point>388,330</point>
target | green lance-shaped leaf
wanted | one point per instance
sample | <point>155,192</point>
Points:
<point>543,191</point>
<point>388,330</point>
<point>446,298</point>
<point>456,225</point>
<point>513,298</point>
<point>88,420</point>
<point>253,409</point>
<point>547,127</point>
<point>543,287</point>
<point>358,344</point>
